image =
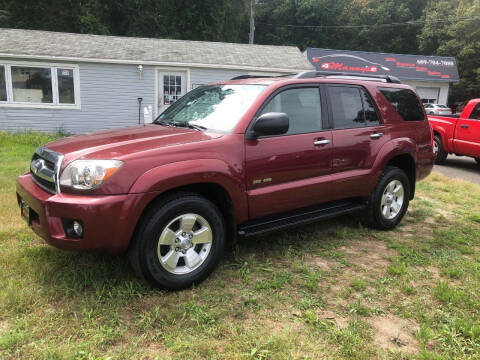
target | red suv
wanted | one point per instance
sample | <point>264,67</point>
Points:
<point>232,159</point>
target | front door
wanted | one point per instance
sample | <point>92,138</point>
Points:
<point>171,87</point>
<point>284,172</point>
<point>467,134</point>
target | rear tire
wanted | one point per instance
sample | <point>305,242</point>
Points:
<point>439,149</point>
<point>178,242</point>
<point>389,201</point>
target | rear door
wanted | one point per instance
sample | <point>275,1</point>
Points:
<point>358,135</point>
<point>285,172</point>
<point>467,134</point>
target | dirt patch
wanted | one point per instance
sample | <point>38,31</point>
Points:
<point>369,254</point>
<point>342,322</point>
<point>155,351</point>
<point>394,333</point>
<point>3,327</point>
<point>322,263</point>
<point>435,272</point>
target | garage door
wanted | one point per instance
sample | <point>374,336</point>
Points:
<point>428,94</point>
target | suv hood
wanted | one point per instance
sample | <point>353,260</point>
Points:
<point>115,144</point>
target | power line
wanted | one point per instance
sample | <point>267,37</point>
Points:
<point>406,23</point>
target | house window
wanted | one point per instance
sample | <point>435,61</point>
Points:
<point>39,85</point>
<point>66,86</point>
<point>3,84</point>
<point>32,84</point>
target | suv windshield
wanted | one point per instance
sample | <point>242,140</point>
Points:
<point>213,107</point>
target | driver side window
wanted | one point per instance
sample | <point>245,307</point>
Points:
<point>475,112</point>
<point>302,105</point>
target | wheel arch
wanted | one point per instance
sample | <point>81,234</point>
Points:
<point>213,192</point>
<point>406,162</point>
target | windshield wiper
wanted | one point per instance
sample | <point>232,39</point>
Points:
<point>181,124</point>
<point>164,123</point>
<point>188,125</point>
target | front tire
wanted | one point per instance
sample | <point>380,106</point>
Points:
<point>389,201</point>
<point>439,150</point>
<point>179,241</point>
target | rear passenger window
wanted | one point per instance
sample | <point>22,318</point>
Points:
<point>371,116</point>
<point>352,107</point>
<point>405,102</point>
<point>302,105</point>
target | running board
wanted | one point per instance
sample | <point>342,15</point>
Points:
<point>298,217</point>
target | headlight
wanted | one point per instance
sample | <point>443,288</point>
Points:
<point>88,174</point>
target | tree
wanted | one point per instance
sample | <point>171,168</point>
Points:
<point>459,38</point>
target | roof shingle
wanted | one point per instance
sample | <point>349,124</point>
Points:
<point>101,48</point>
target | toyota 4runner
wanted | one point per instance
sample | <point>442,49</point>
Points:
<point>233,159</point>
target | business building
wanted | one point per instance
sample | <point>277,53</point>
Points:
<point>431,76</point>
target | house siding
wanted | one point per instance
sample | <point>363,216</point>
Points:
<point>108,96</point>
<point>205,76</point>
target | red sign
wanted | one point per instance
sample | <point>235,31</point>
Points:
<point>401,64</point>
<point>341,67</point>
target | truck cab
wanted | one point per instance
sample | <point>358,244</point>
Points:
<point>458,135</point>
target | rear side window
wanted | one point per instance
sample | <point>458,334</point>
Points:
<point>351,107</point>
<point>405,102</point>
<point>371,116</point>
<point>476,112</point>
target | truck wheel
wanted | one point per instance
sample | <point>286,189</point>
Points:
<point>439,150</point>
<point>178,242</point>
<point>389,201</point>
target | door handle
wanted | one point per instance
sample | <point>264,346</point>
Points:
<point>321,142</point>
<point>464,126</point>
<point>376,135</point>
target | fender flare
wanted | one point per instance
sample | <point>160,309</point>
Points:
<point>189,172</point>
<point>442,131</point>
<point>392,149</point>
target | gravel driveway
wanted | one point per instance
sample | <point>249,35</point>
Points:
<point>460,167</point>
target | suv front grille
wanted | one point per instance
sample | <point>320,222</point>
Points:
<point>45,167</point>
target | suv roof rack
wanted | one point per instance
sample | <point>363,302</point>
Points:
<point>313,74</point>
<point>240,77</point>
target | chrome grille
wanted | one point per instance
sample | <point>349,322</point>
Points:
<point>45,168</point>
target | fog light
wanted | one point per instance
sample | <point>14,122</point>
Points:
<point>73,228</point>
<point>77,228</point>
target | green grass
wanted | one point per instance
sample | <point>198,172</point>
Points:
<point>336,290</point>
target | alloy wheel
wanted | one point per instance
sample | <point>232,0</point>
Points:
<point>184,244</point>
<point>392,199</point>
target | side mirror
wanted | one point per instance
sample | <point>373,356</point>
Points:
<point>272,123</point>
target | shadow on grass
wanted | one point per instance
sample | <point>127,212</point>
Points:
<point>72,274</point>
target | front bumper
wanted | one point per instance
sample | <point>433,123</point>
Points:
<point>108,221</point>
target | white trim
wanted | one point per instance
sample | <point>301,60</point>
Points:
<point>6,83</point>
<point>10,103</point>
<point>155,63</point>
<point>160,69</point>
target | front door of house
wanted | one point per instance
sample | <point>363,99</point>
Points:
<point>171,87</point>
